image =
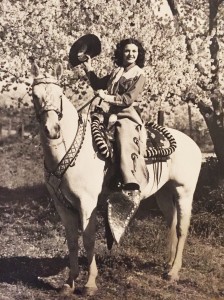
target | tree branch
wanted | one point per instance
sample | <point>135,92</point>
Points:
<point>180,25</point>
<point>10,73</point>
<point>205,110</point>
<point>173,7</point>
<point>214,46</point>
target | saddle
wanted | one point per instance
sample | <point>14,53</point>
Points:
<point>160,145</point>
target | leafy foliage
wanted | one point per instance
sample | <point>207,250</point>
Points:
<point>183,41</point>
<point>45,30</point>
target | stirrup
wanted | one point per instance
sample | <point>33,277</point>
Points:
<point>121,208</point>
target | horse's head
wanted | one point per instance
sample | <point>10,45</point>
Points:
<point>47,99</point>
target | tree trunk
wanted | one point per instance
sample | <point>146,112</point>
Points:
<point>160,117</point>
<point>216,131</point>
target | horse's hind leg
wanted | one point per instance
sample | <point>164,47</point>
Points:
<point>166,200</point>
<point>180,210</point>
<point>184,206</point>
<point>89,233</point>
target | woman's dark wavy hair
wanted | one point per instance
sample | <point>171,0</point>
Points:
<point>118,53</point>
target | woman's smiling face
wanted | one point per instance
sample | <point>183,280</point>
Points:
<point>130,54</point>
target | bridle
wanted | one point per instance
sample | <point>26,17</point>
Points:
<point>47,107</point>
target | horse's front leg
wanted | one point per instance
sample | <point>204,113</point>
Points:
<point>89,234</point>
<point>70,220</point>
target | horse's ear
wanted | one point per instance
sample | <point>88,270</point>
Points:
<point>35,71</point>
<point>59,71</point>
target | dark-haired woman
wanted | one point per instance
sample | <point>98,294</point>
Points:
<point>121,90</point>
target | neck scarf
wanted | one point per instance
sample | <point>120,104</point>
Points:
<point>114,78</point>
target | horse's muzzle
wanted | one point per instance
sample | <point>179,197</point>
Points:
<point>53,133</point>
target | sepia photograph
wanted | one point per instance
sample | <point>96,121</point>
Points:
<point>112,149</point>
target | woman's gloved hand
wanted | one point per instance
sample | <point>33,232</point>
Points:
<point>88,64</point>
<point>110,99</point>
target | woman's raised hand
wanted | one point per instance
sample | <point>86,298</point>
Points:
<point>88,64</point>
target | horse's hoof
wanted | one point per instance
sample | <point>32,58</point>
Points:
<point>171,277</point>
<point>167,268</point>
<point>66,290</point>
<point>89,291</point>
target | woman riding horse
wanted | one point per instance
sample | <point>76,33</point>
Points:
<point>76,180</point>
<point>120,91</point>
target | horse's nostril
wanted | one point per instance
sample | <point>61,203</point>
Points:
<point>46,130</point>
<point>57,127</point>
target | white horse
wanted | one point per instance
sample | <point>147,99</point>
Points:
<point>77,188</point>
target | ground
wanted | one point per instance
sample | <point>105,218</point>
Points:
<point>33,253</point>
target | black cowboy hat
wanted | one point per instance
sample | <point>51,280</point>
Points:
<point>88,44</point>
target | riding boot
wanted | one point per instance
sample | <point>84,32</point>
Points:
<point>121,208</point>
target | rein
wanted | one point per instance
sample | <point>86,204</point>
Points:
<point>86,104</point>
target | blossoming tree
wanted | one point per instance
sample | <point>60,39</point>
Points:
<point>183,40</point>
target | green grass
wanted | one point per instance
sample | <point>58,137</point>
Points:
<point>33,253</point>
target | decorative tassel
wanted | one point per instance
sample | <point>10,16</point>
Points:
<point>134,156</point>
